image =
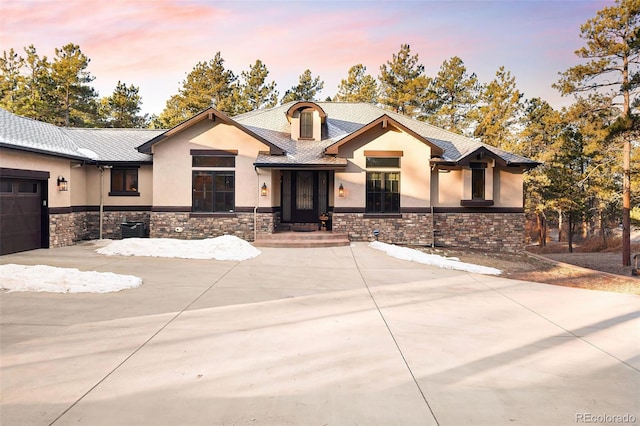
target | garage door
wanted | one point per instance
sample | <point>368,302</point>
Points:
<point>20,215</point>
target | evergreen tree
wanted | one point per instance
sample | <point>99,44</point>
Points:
<point>12,81</point>
<point>612,53</point>
<point>76,99</point>
<point>454,97</point>
<point>39,89</point>
<point>358,87</point>
<point>403,83</point>
<point>209,84</point>
<point>254,92</point>
<point>306,90</point>
<point>122,108</point>
<point>499,112</point>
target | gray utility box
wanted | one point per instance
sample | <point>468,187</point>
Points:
<point>133,229</point>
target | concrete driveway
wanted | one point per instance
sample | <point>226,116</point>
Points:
<point>332,336</point>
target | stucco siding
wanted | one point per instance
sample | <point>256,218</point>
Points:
<point>414,167</point>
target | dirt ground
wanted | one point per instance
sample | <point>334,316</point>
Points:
<point>528,268</point>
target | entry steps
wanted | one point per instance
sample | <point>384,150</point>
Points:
<point>308,239</point>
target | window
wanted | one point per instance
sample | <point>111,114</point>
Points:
<point>6,186</point>
<point>306,125</point>
<point>124,181</point>
<point>477,180</point>
<point>383,162</point>
<point>213,161</point>
<point>383,192</point>
<point>213,191</point>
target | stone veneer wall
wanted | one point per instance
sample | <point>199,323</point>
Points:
<point>482,231</point>
<point>164,225</point>
<point>407,228</point>
<point>62,229</point>
<point>478,230</point>
<point>66,229</point>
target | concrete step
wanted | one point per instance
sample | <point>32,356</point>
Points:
<point>302,239</point>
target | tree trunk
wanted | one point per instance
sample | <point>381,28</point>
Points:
<point>542,235</point>
<point>559,225</point>
<point>570,233</point>
<point>626,170</point>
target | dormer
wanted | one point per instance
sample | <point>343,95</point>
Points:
<point>306,120</point>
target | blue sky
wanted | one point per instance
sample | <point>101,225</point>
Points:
<point>153,44</point>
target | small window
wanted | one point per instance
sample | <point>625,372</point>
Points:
<point>28,187</point>
<point>124,181</point>
<point>6,186</point>
<point>383,192</point>
<point>383,162</point>
<point>477,184</point>
<point>306,125</point>
<point>213,161</point>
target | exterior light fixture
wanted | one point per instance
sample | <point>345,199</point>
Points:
<point>341,191</point>
<point>263,189</point>
<point>63,185</point>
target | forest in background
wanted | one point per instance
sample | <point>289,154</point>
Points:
<point>589,178</point>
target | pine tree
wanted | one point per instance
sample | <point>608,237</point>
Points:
<point>403,83</point>
<point>77,100</point>
<point>12,81</point>
<point>499,112</point>
<point>39,88</point>
<point>358,87</point>
<point>454,97</point>
<point>122,108</point>
<point>209,84</point>
<point>612,52</point>
<point>254,92</point>
<point>306,90</point>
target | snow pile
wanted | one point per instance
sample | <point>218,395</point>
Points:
<point>412,255</point>
<point>63,280</point>
<point>226,247</point>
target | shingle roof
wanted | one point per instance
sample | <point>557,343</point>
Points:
<point>114,145</point>
<point>101,145</point>
<point>343,119</point>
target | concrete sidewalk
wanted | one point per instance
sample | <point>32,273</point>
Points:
<point>328,336</point>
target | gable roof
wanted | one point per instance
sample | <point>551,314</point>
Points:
<point>345,120</point>
<point>210,114</point>
<point>88,145</point>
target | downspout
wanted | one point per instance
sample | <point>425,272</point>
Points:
<point>255,208</point>
<point>101,197</point>
<point>433,228</point>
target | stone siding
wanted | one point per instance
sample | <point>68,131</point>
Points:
<point>185,226</point>
<point>481,231</point>
<point>66,229</point>
<point>410,228</point>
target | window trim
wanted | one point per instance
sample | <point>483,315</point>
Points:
<point>124,193</point>
<point>213,174</point>
<point>383,192</point>
<point>307,126</point>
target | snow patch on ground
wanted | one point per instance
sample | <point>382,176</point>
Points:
<point>417,256</point>
<point>63,280</point>
<point>225,247</point>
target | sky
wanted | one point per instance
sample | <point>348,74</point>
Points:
<point>154,44</point>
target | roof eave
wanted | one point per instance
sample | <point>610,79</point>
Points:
<point>45,152</point>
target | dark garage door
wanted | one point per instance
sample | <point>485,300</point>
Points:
<point>20,215</point>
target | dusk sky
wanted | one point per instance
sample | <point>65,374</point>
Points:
<point>153,44</point>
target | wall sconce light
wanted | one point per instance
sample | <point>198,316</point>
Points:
<point>263,189</point>
<point>63,185</point>
<point>341,191</point>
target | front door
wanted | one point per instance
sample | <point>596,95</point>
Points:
<point>304,195</point>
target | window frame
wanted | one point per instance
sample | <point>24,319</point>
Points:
<point>214,192</point>
<point>124,171</point>
<point>478,181</point>
<point>306,125</point>
<point>389,199</point>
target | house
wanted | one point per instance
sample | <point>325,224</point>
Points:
<point>366,168</point>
